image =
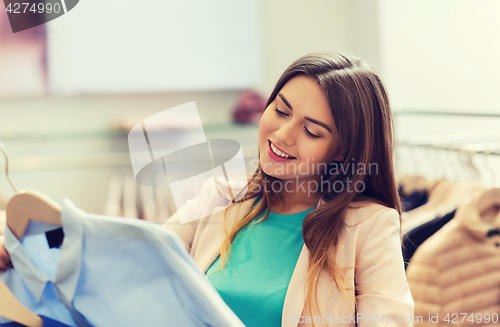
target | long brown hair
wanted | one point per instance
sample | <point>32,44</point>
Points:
<point>360,108</point>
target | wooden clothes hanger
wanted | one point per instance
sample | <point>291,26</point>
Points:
<point>12,309</point>
<point>431,185</point>
<point>411,184</point>
<point>29,205</point>
<point>21,208</point>
<point>489,200</point>
<point>420,184</point>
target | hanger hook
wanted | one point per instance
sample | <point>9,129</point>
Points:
<point>463,161</point>
<point>436,148</point>
<point>486,156</point>
<point>7,166</point>
<point>492,170</point>
<point>447,159</point>
<point>470,163</point>
<point>452,161</point>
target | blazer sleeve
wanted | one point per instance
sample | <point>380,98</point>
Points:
<point>196,208</point>
<point>383,292</point>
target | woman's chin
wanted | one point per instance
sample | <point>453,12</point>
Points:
<point>276,175</point>
<point>271,173</point>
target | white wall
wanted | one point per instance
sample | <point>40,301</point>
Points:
<point>442,55</point>
<point>155,46</point>
<point>293,28</point>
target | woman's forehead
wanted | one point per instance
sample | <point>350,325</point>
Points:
<point>306,97</point>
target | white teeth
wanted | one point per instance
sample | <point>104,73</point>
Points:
<point>278,152</point>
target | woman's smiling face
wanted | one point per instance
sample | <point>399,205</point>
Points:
<point>298,123</point>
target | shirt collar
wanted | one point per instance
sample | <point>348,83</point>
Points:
<point>69,264</point>
<point>34,278</point>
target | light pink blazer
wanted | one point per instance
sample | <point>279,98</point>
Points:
<point>372,243</point>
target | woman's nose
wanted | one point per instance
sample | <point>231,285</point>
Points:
<point>285,134</point>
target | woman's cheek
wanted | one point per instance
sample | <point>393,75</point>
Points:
<point>315,152</point>
<point>265,123</point>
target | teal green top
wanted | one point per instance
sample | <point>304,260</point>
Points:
<point>263,256</point>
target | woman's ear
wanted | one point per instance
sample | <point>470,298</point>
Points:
<point>339,158</point>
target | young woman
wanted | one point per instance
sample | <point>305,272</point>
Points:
<point>316,238</point>
<point>315,241</point>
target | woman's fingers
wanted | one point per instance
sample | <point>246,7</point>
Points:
<point>5,262</point>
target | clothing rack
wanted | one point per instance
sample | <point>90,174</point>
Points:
<point>101,160</point>
<point>444,113</point>
<point>467,148</point>
<point>106,138</point>
<point>483,143</point>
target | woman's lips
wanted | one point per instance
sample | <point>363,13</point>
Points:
<point>274,156</point>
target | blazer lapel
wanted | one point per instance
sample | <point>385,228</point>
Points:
<point>211,235</point>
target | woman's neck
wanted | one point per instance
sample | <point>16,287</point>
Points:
<point>297,196</point>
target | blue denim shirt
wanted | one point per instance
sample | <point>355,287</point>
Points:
<point>47,322</point>
<point>111,271</point>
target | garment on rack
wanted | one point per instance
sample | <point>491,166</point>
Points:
<point>111,271</point>
<point>414,238</point>
<point>47,322</point>
<point>128,199</point>
<point>457,270</point>
<point>255,273</point>
<point>446,197</point>
<point>414,200</point>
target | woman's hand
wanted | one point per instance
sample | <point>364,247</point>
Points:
<point>5,262</point>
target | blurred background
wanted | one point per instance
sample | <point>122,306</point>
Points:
<point>70,90</point>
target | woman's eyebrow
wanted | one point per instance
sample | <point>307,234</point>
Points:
<point>317,122</point>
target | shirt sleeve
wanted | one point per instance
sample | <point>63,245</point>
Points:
<point>382,288</point>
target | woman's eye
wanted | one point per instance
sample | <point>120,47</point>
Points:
<point>279,112</point>
<point>282,114</point>
<point>311,134</point>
